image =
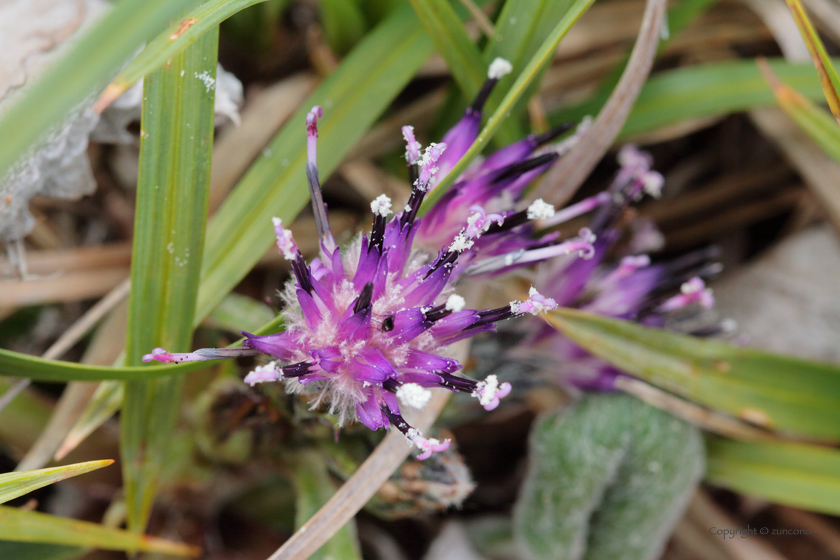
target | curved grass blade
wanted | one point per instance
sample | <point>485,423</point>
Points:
<point>176,144</point>
<point>777,392</point>
<point>15,364</point>
<point>353,97</point>
<point>85,68</point>
<point>796,474</point>
<point>696,92</point>
<point>812,119</point>
<point>171,43</point>
<point>32,526</point>
<point>537,63</point>
<point>828,77</point>
<point>16,484</point>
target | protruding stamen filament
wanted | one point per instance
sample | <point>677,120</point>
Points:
<point>318,208</point>
<point>535,304</point>
<point>204,354</point>
<point>693,291</point>
<point>413,435</point>
<point>412,148</point>
<point>285,240</point>
<point>497,70</point>
<point>263,374</point>
<point>575,210</point>
<point>489,392</point>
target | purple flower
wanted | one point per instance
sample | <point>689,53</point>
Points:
<point>632,289</point>
<point>367,327</point>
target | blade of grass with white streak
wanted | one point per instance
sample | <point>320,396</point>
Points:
<point>790,395</point>
<point>15,484</point>
<point>171,43</point>
<point>353,97</point>
<point>176,143</point>
<point>796,474</point>
<point>85,68</point>
<point>35,527</point>
<point>525,78</point>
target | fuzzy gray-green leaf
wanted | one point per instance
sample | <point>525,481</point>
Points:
<point>608,478</point>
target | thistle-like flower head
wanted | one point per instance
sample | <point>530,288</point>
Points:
<point>367,327</point>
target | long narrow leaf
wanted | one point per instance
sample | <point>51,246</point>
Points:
<point>777,392</point>
<point>521,29</point>
<point>796,474</point>
<point>696,92</point>
<point>173,182</point>
<point>815,121</point>
<point>353,97</point>
<point>16,484</point>
<point>84,69</point>
<point>32,526</point>
<point>171,43</point>
<point>451,40</point>
<point>828,77</point>
<point>526,77</point>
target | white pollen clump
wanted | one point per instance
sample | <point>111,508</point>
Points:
<point>261,374</point>
<point>486,390</point>
<point>461,244</point>
<point>277,221</point>
<point>381,205</point>
<point>540,210</point>
<point>652,184</point>
<point>499,68</point>
<point>455,303</point>
<point>206,79</point>
<point>413,395</point>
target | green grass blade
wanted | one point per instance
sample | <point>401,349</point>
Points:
<point>105,402</point>
<point>32,526</point>
<point>795,474</point>
<point>314,487</point>
<point>696,92</point>
<point>240,313</point>
<point>813,120</point>
<point>451,40</point>
<point>343,22</point>
<point>171,43</point>
<point>81,72</point>
<point>353,97</point>
<point>537,63</point>
<point>173,183</point>
<point>38,551</point>
<point>521,29</point>
<point>828,77</point>
<point>778,392</point>
<point>16,484</point>
<point>15,364</point>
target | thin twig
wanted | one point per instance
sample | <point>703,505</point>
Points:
<point>361,487</point>
<point>702,417</point>
<point>563,180</point>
